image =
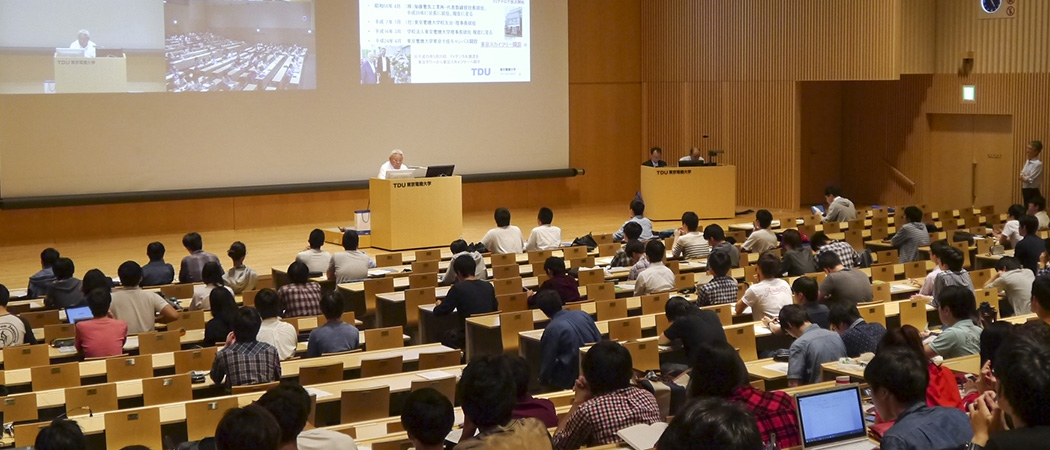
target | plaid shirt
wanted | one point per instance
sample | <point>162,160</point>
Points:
<point>621,259</point>
<point>775,413</point>
<point>597,420</point>
<point>245,363</point>
<point>718,291</point>
<point>849,257</point>
<point>301,299</point>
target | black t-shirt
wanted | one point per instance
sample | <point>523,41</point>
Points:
<point>695,331</point>
<point>468,298</point>
<point>818,314</point>
<point>1028,250</point>
<point>215,331</point>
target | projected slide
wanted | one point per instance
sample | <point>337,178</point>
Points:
<point>459,41</point>
<point>100,46</point>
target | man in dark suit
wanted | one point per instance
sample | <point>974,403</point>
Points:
<point>368,73</point>
<point>383,67</point>
<point>655,158</point>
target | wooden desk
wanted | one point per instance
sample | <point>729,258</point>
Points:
<point>965,364</point>
<point>399,205</point>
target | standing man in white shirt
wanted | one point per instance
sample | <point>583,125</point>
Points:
<point>505,238</point>
<point>84,42</point>
<point>397,157</point>
<point>1032,173</point>
<point>545,236</point>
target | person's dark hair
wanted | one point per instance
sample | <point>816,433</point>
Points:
<point>633,247</point>
<point>791,238</point>
<point>130,273</point>
<point>953,258</point>
<point>316,239</point>
<point>298,272</point>
<point>718,371</point>
<point>807,286</point>
<point>632,231</point>
<point>1007,263</point>
<point>246,324</point>
<point>712,423</point>
<point>290,406</point>
<point>794,316</point>
<point>1023,368</point>
<point>546,216</point>
<point>655,150</point>
<point>223,305</point>
<point>913,214</point>
<point>1029,223</point>
<point>992,337</point>
<point>959,300</point>
<point>828,260</point>
<point>428,416</point>
<point>655,250</point>
<point>607,367</point>
<point>937,247</point>
<point>211,273</point>
<point>1041,292</point>
<point>486,390</point>
<point>843,314</point>
<point>248,428</point>
<point>833,190</point>
<point>637,207</point>
<point>714,232</point>
<point>502,216</point>
<point>764,218</point>
<point>548,301</point>
<point>155,251</point>
<point>519,370</point>
<point>332,305</point>
<point>464,266</point>
<point>1038,201</point>
<point>690,220</point>
<point>818,240</point>
<point>458,246</point>
<point>62,434</point>
<point>678,307</point>
<point>1016,211</point>
<point>901,372</point>
<point>719,263</point>
<point>351,240</point>
<point>48,257</point>
<point>1037,146</point>
<point>95,279</point>
<point>266,302</point>
<point>769,265</point>
<point>906,337</point>
<point>1033,329</point>
<point>192,241</point>
<point>237,250</point>
<point>555,265</point>
<point>98,300</point>
<point>63,268</point>
<point>5,296</point>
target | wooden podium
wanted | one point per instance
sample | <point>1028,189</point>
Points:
<point>84,75</point>
<point>709,191</point>
<point>416,213</point>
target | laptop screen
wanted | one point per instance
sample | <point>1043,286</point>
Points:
<point>76,314</point>
<point>830,416</point>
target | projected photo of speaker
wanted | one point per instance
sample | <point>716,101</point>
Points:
<point>387,65</point>
<point>512,27</point>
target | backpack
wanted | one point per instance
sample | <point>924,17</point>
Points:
<point>586,241</point>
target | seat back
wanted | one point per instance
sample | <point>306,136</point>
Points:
<point>414,298</point>
<point>574,252</point>
<point>167,389</point>
<point>873,313</point>
<point>887,256</point>
<point>855,238</point>
<point>591,276</point>
<point>248,297</point>
<point>19,407</point>
<point>432,254</point>
<point>324,373</point>
<point>654,303</point>
<point>506,286</point>
<point>915,269</point>
<point>601,291</point>
<point>26,356</point>
<point>55,376</point>
<point>882,272</point>
<point>980,278</point>
<point>384,338</point>
<point>129,368</point>
<point>423,280</point>
<point>724,311</point>
<point>375,286</point>
<point>832,227</point>
<point>880,292</point>
<point>512,323</point>
<point>25,434</point>
<point>389,259</point>
<point>59,331</point>
<point>429,266</point>
<point>203,416</point>
<point>913,312</point>
<point>662,324</point>
<point>160,342</point>
<point>440,359</point>
<point>625,329</point>
<point>684,281</point>
<point>138,427</point>
<point>609,249</point>
<point>359,405</point>
<point>539,256</point>
<point>517,301</point>
<point>179,290</point>
<point>586,261</point>
<point>645,356</point>
<point>39,319</point>
<point>192,320</point>
<point>742,337</point>
<point>508,271</point>
<point>194,359</point>
<point>387,365</point>
<point>446,386</point>
<point>93,398</point>
<point>247,388</point>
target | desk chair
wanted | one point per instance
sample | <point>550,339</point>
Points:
<point>375,286</point>
<point>750,272</point>
<point>591,276</point>
<point>427,266</point>
<point>662,324</point>
<point>389,259</point>
<point>129,368</point>
<point>987,295</point>
<point>811,219</point>
<point>611,309</point>
<point>56,376</point>
<point>873,313</point>
<point>602,291</point>
<point>883,272</point>
<point>880,292</point>
<point>138,427</point>
<point>265,281</point>
<point>980,278</point>
<point>915,270</point>
<point>517,301</point>
<point>504,259</point>
<point>541,278</point>
<point>95,398</point>
<point>203,416</point>
<point>180,290</point>
<point>194,359</point>
<point>26,356</point>
<point>608,249</point>
<point>984,246</point>
<point>293,321</point>
<point>325,373</point>
<point>507,271</point>
<point>887,257</point>
<point>856,224</point>
<point>59,331</point>
<point>742,337</point>
<point>855,238</point>
<point>684,281</point>
<point>539,256</point>
<point>512,323</point>
<point>440,359</point>
<point>423,280</point>
<point>446,386</point>
<point>433,254</point>
<point>387,365</point>
<point>359,405</point>
<point>25,434</point>
<point>913,312</point>
<point>645,356</point>
<point>193,320</point>
<point>741,289</point>
<point>248,297</point>
<point>39,319</point>
<point>575,306</point>
<point>817,276</point>
<point>724,311</point>
<point>586,261</point>
<point>789,222</point>
<point>963,247</point>
<point>160,342</point>
<point>414,298</point>
<point>603,238</point>
<point>879,232</point>
<point>654,303</point>
<point>832,227</point>
<point>248,388</point>
<point>574,252</point>
<point>625,329</point>
<point>384,338</point>
<point>537,269</point>
<point>507,285</point>
<point>19,407</point>
<point>739,236</point>
<point>167,389</point>
<point>675,266</point>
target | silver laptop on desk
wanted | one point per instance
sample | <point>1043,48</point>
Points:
<point>833,419</point>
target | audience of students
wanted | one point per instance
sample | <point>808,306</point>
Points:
<point>689,242</point>
<point>300,297</point>
<point>192,264</point>
<point>504,238</point>
<point>761,239</point>
<point>722,288</point>
<point>769,294</point>
<point>317,261</point>
<point>545,236</point>
<point>350,264</point>
<point>281,335</point>
<point>40,282</point>
<point>560,344</point>
<point>1015,283</point>
<point>657,277</point>
<point>798,259</point>
<point>637,216</point>
<point>858,335</point>
<point>65,291</point>
<point>157,272</point>
<point>910,236</point>
<point>14,330</point>
<point>244,360</point>
<point>101,335</point>
<point>240,277</point>
<point>459,248</point>
<point>140,309</point>
<point>813,346</point>
<point>334,336</point>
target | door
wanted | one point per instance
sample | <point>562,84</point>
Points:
<point>970,161</point>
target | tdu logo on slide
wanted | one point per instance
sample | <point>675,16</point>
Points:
<point>481,72</point>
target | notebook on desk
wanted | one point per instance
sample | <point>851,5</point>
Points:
<point>832,419</point>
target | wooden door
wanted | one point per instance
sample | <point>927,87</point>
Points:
<point>996,175</point>
<point>970,156</point>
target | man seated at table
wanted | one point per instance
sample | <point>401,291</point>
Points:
<point>695,328</point>
<point>559,281</point>
<point>798,259</point>
<point>761,239</point>
<point>1041,298</point>
<point>505,238</point>
<point>301,296</point>
<point>657,277</point>
<point>840,209</point>
<point>334,336</point>
<point>959,335</point>
<point>858,335</point>
<point>244,360</point>
<point>316,260</point>
<point>526,405</point>
<point>17,330</point>
<point>804,294</point>
<point>1010,234</point>
<point>655,158</point>
<point>820,243</point>
<point>637,216</point>
<point>722,288</point>
<point>693,157</point>
<point>101,335</point>
<point>66,290</point>
<point>350,264</point>
<point>40,281</point>
<point>1015,282</point>
<point>544,236</point>
<point>898,379</point>
<point>240,277</point>
<point>274,331</point>
<point>952,274</point>
<point>157,272</point>
<point>487,393</point>
<point>567,331</point>
<point>910,236</point>
<point>141,310</point>
<point>459,248</point>
<point>605,400</point>
<point>842,285</point>
<point>716,239</point>
<point>468,297</point>
<point>1030,246</point>
<point>290,404</point>
<point>813,346</point>
<point>427,417</point>
<point>631,231</point>
<point>1037,209</point>
<point>769,294</point>
<point>192,264</point>
<point>1022,398</point>
<point>689,243</point>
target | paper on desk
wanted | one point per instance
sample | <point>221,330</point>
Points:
<point>318,392</point>
<point>897,288</point>
<point>618,269</point>
<point>781,367</point>
<point>435,375</point>
<point>628,286</point>
<point>454,436</point>
<point>19,293</point>
<point>132,342</point>
<point>35,305</point>
<point>379,272</point>
<point>67,350</point>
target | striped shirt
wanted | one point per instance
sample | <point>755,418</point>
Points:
<point>908,239</point>
<point>691,245</point>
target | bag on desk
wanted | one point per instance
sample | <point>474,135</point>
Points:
<point>586,241</point>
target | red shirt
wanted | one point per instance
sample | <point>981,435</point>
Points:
<point>101,337</point>
<point>537,408</point>
<point>775,413</point>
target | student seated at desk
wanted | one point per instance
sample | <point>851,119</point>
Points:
<point>951,274</point>
<point>1023,398</point>
<point>842,285</point>
<point>281,335</point>
<point>910,236</point>
<point>695,328</point>
<point>525,405</point>
<point>488,396</point>
<point>797,260</point>
<point>505,238</point>
<point>858,335</point>
<point>459,248</point>
<point>212,276</point>
<point>959,336</point>
<point>820,243</point>
<point>244,360</point>
<point>942,390</point>
<point>804,294</point>
<point>240,277</point>
<point>638,263</point>
<point>657,277</point>
<point>40,281</point>
<point>1037,209</point>
<point>722,288</point>
<point>560,344</point>
<point>689,242</point>
<point>316,260</point>
<point>61,434</point>
<point>761,239</point>
<point>926,288</point>
<point>712,423</point>
<point>567,287</point>
<point>102,335</point>
<point>545,236</point>
<point>468,297</point>
<point>427,417</point>
<point>290,405</point>
<point>840,209</point>
<point>637,216</point>
<point>335,335</point>
<point>631,231</point>
<point>813,346</point>
<point>140,309</point>
<point>1030,246</point>
<point>716,239</point>
<point>15,330</point>
<point>223,312</point>
<point>770,294</point>
<point>1015,282</point>
<point>192,264</point>
<point>350,264</point>
<point>1010,235</point>
<point>65,291</point>
<point>300,297</point>
<point>157,272</point>
<point>248,428</point>
<point>1041,298</point>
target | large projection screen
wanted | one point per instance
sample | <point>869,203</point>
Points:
<point>74,144</point>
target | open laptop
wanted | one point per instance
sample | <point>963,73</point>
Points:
<point>440,171</point>
<point>78,313</point>
<point>832,419</point>
<point>406,173</point>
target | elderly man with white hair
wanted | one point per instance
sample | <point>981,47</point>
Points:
<point>84,41</point>
<point>396,158</point>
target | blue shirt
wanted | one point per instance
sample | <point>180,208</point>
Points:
<point>816,346</point>
<point>647,229</point>
<point>332,337</point>
<point>560,347</point>
<point>156,273</point>
<point>921,427</point>
<point>862,337</point>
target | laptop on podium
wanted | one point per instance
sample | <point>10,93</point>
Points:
<point>833,419</point>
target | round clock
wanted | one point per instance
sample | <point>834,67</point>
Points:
<point>991,6</point>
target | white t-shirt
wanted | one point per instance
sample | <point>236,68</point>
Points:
<point>202,296</point>
<point>316,260</point>
<point>544,237</point>
<point>504,240</point>
<point>138,308</point>
<point>279,334</point>
<point>1012,231</point>
<point>89,50</point>
<point>767,297</point>
<point>321,439</point>
<point>12,330</point>
<point>351,265</point>
<point>386,167</point>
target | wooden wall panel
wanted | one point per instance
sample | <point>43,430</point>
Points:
<point>1018,45</point>
<point>605,41</point>
<point>820,136</point>
<point>605,138</point>
<point>918,36</point>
